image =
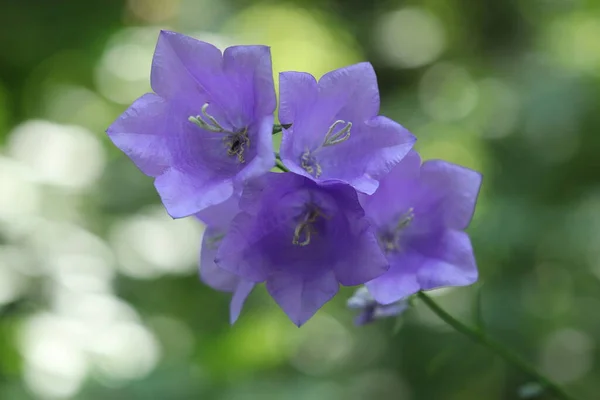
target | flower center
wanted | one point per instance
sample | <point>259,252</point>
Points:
<point>305,228</point>
<point>309,164</point>
<point>389,240</point>
<point>333,136</point>
<point>235,141</point>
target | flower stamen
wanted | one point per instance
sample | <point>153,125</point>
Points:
<point>235,142</point>
<point>305,228</point>
<point>211,126</point>
<point>332,137</point>
<point>390,240</point>
<point>405,219</point>
<point>309,164</point>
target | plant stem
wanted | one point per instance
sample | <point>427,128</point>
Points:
<point>507,354</point>
<point>280,165</point>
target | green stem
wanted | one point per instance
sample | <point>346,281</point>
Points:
<point>507,354</point>
<point>280,165</point>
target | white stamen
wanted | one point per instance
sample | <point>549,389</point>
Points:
<point>406,219</point>
<point>333,138</point>
<point>211,126</point>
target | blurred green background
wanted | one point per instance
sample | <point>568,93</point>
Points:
<point>99,296</point>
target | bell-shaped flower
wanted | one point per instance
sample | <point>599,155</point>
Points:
<point>336,133</point>
<point>420,212</point>
<point>207,128</point>
<point>303,240</point>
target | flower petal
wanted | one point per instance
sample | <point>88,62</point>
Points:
<point>449,261</point>
<point>391,310</point>
<point>264,160</point>
<point>372,150</point>
<point>458,188</point>
<point>139,133</point>
<point>355,89</point>
<point>219,216</point>
<point>360,259</point>
<point>309,114</point>
<point>251,75</point>
<point>395,194</point>
<point>441,260</point>
<point>365,260</point>
<point>240,252</point>
<point>401,279</point>
<point>300,296</point>
<point>365,316</point>
<point>298,90</point>
<point>253,196</point>
<point>183,194</point>
<point>182,64</point>
<point>210,273</point>
<point>392,142</point>
<point>360,299</point>
<point>240,295</point>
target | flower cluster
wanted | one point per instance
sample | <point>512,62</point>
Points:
<point>355,206</point>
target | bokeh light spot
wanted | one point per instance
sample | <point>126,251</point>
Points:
<point>323,344</point>
<point>409,37</point>
<point>573,40</point>
<point>447,92</point>
<point>123,73</point>
<point>154,10</point>
<point>63,155</point>
<point>313,42</point>
<point>567,355</point>
<point>152,243</point>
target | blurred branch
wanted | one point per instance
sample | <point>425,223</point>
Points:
<point>479,321</point>
<point>507,354</point>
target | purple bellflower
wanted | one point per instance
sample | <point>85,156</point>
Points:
<point>303,240</point>
<point>420,212</point>
<point>207,128</point>
<point>217,219</point>
<point>371,310</point>
<point>336,133</point>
